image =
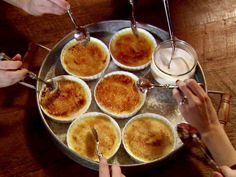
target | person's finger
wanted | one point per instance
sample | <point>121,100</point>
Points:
<point>195,88</point>
<point>103,168</point>
<point>10,65</point>
<point>116,171</point>
<point>22,73</point>
<point>55,10</point>
<point>17,57</point>
<point>61,3</point>
<point>228,171</point>
<point>177,95</point>
<point>216,174</point>
<point>185,90</point>
<point>49,8</point>
<point>8,78</point>
<point>17,75</point>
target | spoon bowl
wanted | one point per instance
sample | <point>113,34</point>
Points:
<point>144,85</point>
<point>50,83</point>
<point>81,34</point>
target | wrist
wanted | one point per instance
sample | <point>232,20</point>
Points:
<point>215,138</point>
<point>211,131</point>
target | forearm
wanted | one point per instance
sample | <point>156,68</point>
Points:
<point>219,145</point>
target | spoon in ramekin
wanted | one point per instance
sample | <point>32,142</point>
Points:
<point>95,134</point>
<point>133,21</point>
<point>81,34</point>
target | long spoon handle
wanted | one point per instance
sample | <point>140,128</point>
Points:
<point>168,18</point>
<point>133,21</point>
<point>77,26</point>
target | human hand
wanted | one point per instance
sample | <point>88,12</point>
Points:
<point>104,169</point>
<point>228,172</point>
<point>11,72</point>
<point>40,7</point>
<point>198,110</point>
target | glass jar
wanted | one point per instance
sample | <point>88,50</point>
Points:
<point>182,65</point>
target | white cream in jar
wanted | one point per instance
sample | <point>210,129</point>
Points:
<point>182,66</point>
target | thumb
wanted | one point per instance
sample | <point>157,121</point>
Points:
<point>228,172</point>
<point>216,174</point>
<point>17,57</point>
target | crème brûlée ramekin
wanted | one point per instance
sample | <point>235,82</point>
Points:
<point>71,99</point>
<point>117,94</point>
<point>148,137</point>
<point>132,52</point>
<point>80,137</point>
<point>87,62</point>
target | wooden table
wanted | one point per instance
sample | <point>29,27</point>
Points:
<point>25,147</point>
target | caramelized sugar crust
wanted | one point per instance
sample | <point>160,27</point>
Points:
<point>86,60</point>
<point>132,51</point>
<point>84,143</point>
<point>118,94</point>
<point>67,100</point>
<point>148,138</point>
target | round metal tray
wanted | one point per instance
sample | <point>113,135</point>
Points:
<point>158,100</point>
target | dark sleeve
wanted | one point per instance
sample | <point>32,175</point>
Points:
<point>233,167</point>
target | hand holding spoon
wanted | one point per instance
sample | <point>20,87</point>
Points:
<point>190,136</point>
<point>52,86</point>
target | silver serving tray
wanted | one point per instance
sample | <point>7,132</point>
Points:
<point>158,100</point>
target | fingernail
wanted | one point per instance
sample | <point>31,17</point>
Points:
<point>177,81</point>
<point>68,6</point>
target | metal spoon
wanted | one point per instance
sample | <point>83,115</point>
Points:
<point>81,34</point>
<point>4,57</point>
<point>144,85</point>
<point>190,137</point>
<point>172,38</point>
<point>133,21</point>
<point>50,83</point>
<point>95,134</point>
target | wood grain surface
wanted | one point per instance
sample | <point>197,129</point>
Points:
<point>25,147</point>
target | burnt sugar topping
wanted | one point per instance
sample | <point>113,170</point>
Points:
<point>148,139</point>
<point>85,61</point>
<point>132,51</point>
<point>70,98</point>
<point>82,141</point>
<point>118,94</point>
